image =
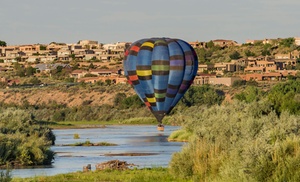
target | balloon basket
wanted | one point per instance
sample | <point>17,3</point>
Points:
<point>160,128</point>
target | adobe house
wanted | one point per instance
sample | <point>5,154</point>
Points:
<point>197,44</point>
<point>228,81</point>
<point>297,40</point>
<point>114,79</point>
<point>78,73</point>
<point>223,43</point>
<point>205,67</point>
<point>262,76</point>
<point>259,66</point>
<point>105,72</point>
<point>202,78</point>
<point>33,48</point>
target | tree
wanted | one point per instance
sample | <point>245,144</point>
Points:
<point>132,102</point>
<point>258,43</point>
<point>35,81</point>
<point>287,42</point>
<point>248,53</point>
<point>265,52</point>
<point>24,141</point>
<point>282,96</point>
<point>297,67</point>
<point>43,47</point>
<point>202,95</point>
<point>235,55</point>
<point>119,98</point>
<point>91,66</point>
<point>3,43</point>
<point>238,83</point>
<point>210,44</point>
<point>108,81</point>
<point>29,71</point>
<point>250,94</point>
<point>18,68</point>
<point>73,56</point>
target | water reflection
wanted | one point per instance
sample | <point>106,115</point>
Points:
<point>151,145</point>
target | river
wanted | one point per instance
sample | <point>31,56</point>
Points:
<point>153,146</point>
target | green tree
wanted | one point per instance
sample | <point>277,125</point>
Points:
<point>43,47</point>
<point>202,95</point>
<point>2,43</point>
<point>265,53</point>
<point>73,56</point>
<point>248,53</point>
<point>19,69</point>
<point>238,83</point>
<point>132,102</point>
<point>283,97</point>
<point>35,81</point>
<point>119,98</point>
<point>70,79</point>
<point>91,66</point>
<point>258,43</point>
<point>250,94</point>
<point>201,53</point>
<point>29,71</point>
<point>235,55</point>
<point>23,140</point>
<point>297,67</point>
<point>108,81</point>
<point>210,44</point>
<point>288,42</point>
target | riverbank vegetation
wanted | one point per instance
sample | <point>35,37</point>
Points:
<point>255,138</point>
<point>23,140</point>
<point>134,175</point>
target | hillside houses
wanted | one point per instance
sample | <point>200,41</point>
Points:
<point>94,61</point>
<point>84,50</point>
<point>224,43</point>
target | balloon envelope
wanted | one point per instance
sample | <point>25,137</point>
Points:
<point>160,71</point>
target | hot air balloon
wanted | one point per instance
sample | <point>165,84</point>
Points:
<point>160,70</point>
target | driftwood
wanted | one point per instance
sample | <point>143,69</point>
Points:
<point>113,164</point>
<point>87,168</point>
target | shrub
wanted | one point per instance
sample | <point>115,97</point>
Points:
<point>250,94</point>
<point>239,142</point>
<point>202,95</point>
<point>76,136</point>
<point>23,141</point>
<point>5,176</point>
<point>283,96</point>
<point>238,83</point>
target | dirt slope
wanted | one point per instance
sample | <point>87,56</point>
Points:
<point>69,96</point>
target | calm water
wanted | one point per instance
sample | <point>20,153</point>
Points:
<point>129,139</point>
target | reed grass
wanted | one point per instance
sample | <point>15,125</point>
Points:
<point>132,175</point>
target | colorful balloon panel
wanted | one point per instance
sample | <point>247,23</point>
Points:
<point>160,71</point>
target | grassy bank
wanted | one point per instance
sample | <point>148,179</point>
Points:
<point>134,175</point>
<point>100,124</point>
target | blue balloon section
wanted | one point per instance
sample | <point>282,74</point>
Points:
<point>160,71</point>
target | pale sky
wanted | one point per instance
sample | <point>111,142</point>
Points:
<point>110,21</point>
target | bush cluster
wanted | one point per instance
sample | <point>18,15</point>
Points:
<point>239,142</point>
<point>24,141</point>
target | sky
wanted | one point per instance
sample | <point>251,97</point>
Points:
<point>111,21</point>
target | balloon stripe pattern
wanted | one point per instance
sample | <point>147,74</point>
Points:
<point>160,70</point>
